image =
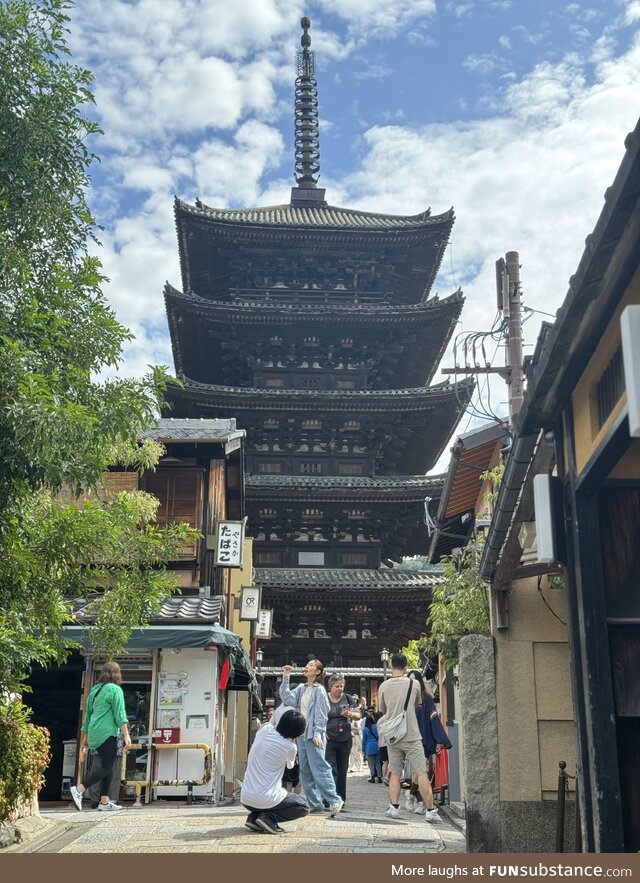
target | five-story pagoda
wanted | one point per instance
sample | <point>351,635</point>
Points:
<point>313,326</point>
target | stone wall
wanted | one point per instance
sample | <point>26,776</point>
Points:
<point>478,710</point>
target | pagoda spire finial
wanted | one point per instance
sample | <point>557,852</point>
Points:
<point>307,133</point>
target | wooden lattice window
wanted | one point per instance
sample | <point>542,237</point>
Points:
<point>355,559</point>
<point>267,559</point>
<point>311,468</point>
<point>350,468</point>
<point>610,387</point>
<point>270,468</point>
<point>180,492</point>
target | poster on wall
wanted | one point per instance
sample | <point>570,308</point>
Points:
<point>172,690</point>
<point>169,717</point>
<point>250,603</point>
<point>229,543</point>
<point>263,624</point>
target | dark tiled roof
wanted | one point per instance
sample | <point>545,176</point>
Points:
<point>326,216</point>
<point>177,609</point>
<point>169,429</point>
<point>302,399</point>
<point>383,482</point>
<point>273,312</point>
<point>338,580</point>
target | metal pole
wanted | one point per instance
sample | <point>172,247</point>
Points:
<point>562,792</point>
<point>513,312</point>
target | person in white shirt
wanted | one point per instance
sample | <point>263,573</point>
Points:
<point>262,793</point>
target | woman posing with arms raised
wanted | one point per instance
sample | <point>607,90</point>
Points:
<point>104,720</point>
<point>311,700</point>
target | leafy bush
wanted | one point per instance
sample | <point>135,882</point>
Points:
<point>460,605</point>
<point>24,756</point>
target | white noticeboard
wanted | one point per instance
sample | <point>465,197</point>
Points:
<point>229,543</point>
<point>263,624</point>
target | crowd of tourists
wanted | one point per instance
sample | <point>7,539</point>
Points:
<point>299,760</point>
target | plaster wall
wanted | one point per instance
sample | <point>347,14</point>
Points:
<point>534,715</point>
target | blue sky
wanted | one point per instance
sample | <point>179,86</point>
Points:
<point>513,111</point>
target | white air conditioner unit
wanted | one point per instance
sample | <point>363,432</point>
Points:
<point>630,332</point>
<point>546,527</point>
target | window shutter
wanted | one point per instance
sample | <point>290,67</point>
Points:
<point>180,495</point>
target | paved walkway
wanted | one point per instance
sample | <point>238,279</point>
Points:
<point>176,828</point>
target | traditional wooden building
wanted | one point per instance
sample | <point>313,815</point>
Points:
<point>315,327</point>
<point>581,421</point>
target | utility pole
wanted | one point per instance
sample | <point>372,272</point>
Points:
<point>510,305</point>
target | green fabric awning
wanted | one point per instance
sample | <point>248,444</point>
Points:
<point>193,635</point>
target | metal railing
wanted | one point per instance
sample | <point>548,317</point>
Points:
<point>139,784</point>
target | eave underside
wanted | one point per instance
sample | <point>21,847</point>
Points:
<point>415,424</point>
<point>402,346</point>
<point>409,258</point>
<point>343,616</point>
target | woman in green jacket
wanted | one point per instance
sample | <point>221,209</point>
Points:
<point>104,720</point>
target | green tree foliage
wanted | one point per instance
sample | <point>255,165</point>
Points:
<point>65,414</point>
<point>460,605</point>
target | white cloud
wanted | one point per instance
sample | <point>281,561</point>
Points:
<point>632,12</point>
<point>530,180</point>
<point>368,18</point>
<point>504,41</point>
<point>482,64</point>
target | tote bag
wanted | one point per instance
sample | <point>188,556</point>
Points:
<point>394,729</point>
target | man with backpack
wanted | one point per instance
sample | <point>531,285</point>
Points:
<point>398,699</point>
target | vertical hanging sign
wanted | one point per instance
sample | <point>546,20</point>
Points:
<point>229,543</point>
<point>263,625</point>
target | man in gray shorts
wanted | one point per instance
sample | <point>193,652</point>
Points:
<point>392,695</point>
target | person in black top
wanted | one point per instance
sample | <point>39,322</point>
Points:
<point>339,733</point>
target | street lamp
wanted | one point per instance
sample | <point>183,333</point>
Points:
<point>384,658</point>
<point>259,658</point>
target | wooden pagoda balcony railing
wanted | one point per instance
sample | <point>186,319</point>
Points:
<point>309,296</point>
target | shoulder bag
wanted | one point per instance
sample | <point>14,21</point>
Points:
<point>394,729</point>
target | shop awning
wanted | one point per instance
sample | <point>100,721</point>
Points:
<point>194,635</point>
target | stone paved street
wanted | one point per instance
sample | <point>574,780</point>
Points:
<point>177,828</point>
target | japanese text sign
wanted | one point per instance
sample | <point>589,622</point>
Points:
<point>263,624</point>
<point>229,543</point>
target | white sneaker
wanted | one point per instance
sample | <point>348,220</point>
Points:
<point>335,808</point>
<point>431,815</point>
<point>393,812</point>
<point>76,796</point>
<point>420,808</point>
<point>109,807</point>
<point>410,802</point>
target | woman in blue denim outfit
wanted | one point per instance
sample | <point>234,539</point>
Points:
<point>311,700</point>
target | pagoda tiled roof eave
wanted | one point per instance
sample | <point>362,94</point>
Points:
<point>327,217</point>
<point>397,400</point>
<point>260,313</point>
<point>338,488</point>
<point>337,580</point>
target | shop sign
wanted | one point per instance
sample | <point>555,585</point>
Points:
<point>229,543</point>
<point>250,603</point>
<point>263,624</point>
<point>166,736</point>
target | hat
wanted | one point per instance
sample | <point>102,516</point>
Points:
<point>278,713</point>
